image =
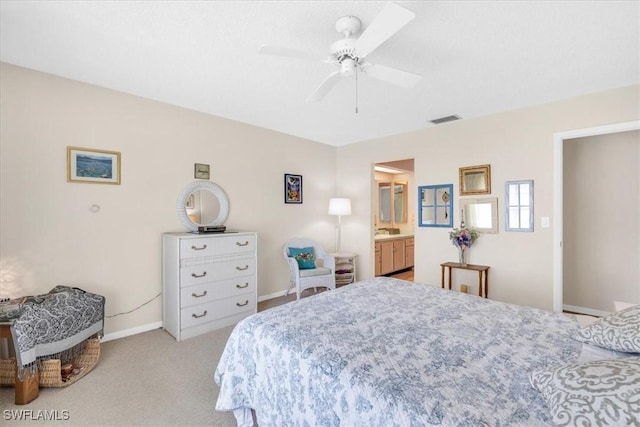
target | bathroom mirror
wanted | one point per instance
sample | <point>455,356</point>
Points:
<point>384,202</point>
<point>400,202</point>
<point>480,214</point>
<point>475,180</point>
<point>202,203</point>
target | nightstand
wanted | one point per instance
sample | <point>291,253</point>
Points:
<point>345,267</point>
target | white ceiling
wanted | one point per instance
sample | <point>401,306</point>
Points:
<point>477,58</point>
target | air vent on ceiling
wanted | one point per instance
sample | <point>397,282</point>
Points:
<point>446,119</point>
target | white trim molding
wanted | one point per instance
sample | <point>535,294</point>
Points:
<point>132,331</point>
<point>558,141</point>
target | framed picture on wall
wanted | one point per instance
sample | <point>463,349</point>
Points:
<point>292,188</point>
<point>88,165</point>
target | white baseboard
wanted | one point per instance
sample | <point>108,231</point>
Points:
<point>583,310</point>
<point>157,325</point>
<point>272,296</point>
<point>132,331</point>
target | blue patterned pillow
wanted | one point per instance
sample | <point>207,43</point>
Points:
<point>596,393</point>
<point>304,256</point>
<point>618,331</point>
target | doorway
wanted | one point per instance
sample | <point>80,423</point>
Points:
<point>558,199</point>
<point>393,207</point>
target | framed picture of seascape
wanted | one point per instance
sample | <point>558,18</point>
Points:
<point>93,166</point>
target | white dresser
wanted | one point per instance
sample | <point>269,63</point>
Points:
<point>209,281</point>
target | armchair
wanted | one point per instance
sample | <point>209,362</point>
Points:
<point>301,255</point>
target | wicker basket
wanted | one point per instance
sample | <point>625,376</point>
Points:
<point>50,375</point>
<point>8,372</point>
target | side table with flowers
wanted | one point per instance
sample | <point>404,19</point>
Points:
<point>462,239</point>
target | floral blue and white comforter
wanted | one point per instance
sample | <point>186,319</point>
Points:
<point>386,352</point>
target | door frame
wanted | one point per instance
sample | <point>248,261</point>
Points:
<point>558,197</point>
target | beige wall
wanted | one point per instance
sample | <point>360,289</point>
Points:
<point>49,237</point>
<point>518,145</point>
<point>602,220</point>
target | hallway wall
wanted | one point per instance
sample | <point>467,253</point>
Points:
<point>601,248</point>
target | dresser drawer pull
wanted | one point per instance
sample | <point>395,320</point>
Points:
<point>243,244</point>
<point>199,296</point>
<point>195,316</point>
<point>238,304</point>
<point>242,268</point>
<point>246,285</point>
<point>198,275</point>
<point>195,248</point>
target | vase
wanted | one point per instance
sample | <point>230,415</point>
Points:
<point>462,255</point>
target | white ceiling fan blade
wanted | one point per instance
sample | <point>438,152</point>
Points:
<point>285,51</point>
<point>388,22</point>
<point>325,87</point>
<point>392,75</point>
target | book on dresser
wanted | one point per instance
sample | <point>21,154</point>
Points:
<point>209,281</point>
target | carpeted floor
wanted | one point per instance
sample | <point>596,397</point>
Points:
<point>147,379</point>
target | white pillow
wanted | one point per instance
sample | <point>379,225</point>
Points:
<point>592,352</point>
<point>596,393</point>
<point>618,331</point>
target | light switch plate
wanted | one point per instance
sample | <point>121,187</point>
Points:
<point>544,222</point>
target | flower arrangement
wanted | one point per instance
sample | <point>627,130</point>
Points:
<point>463,238</point>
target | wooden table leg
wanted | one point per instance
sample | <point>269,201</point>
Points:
<point>28,389</point>
<point>442,276</point>
<point>449,278</point>
<point>479,283</point>
<point>486,283</point>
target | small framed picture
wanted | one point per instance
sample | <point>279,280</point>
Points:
<point>200,171</point>
<point>292,188</point>
<point>93,166</point>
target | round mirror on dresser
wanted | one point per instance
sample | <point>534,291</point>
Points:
<point>202,203</point>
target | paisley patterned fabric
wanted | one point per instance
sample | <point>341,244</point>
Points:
<point>53,323</point>
<point>618,331</point>
<point>386,352</point>
<point>596,393</point>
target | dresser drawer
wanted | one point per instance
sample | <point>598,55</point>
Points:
<point>203,313</point>
<point>212,291</point>
<point>213,271</point>
<point>203,247</point>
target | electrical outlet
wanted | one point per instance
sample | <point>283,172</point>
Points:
<point>544,222</point>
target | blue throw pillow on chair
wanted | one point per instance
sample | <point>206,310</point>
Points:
<point>304,256</point>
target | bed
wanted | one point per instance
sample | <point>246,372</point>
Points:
<point>387,352</point>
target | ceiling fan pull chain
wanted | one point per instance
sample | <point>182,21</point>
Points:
<point>356,90</point>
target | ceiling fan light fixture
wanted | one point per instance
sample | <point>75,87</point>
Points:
<point>348,67</point>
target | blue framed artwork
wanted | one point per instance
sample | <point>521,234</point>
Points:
<point>435,205</point>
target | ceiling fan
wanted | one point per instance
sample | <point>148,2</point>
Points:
<point>349,52</point>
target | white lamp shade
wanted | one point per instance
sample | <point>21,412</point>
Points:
<point>339,206</point>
